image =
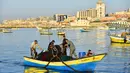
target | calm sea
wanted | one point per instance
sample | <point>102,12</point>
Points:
<point>13,46</point>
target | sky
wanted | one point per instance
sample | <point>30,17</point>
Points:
<point>15,9</point>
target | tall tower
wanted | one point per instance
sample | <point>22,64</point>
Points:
<point>101,9</point>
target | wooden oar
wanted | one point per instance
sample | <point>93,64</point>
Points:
<point>49,62</point>
<point>68,65</point>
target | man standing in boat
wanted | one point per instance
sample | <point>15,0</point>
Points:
<point>123,35</point>
<point>34,45</point>
<point>64,45</point>
<point>72,48</point>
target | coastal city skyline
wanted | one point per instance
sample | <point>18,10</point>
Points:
<point>24,9</point>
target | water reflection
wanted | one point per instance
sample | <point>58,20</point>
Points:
<point>43,70</point>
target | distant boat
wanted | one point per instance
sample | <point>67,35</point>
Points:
<point>82,64</point>
<point>116,39</point>
<point>84,30</point>
<point>6,30</point>
<point>60,31</point>
<point>45,32</point>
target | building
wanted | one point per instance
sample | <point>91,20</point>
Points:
<point>105,19</point>
<point>70,19</point>
<point>60,17</point>
<point>101,9</point>
<point>85,14</point>
<point>80,23</point>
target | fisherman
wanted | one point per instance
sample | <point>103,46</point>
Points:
<point>63,45</point>
<point>33,47</point>
<point>123,35</point>
<point>51,45</point>
<point>72,48</point>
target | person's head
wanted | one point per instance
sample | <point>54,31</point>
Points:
<point>35,41</point>
<point>66,40</point>
<point>89,50</point>
<point>53,41</point>
<point>64,36</point>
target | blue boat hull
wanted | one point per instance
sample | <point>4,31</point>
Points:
<point>82,30</point>
<point>81,64</point>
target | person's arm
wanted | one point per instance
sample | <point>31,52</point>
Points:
<point>38,46</point>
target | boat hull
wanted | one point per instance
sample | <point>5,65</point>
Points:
<point>84,64</point>
<point>61,33</point>
<point>115,39</point>
<point>46,33</point>
<point>83,30</point>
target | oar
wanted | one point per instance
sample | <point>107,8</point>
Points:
<point>49,62</point>
<point>68,65</point>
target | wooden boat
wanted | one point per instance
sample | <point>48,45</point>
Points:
<point>116,39</point>
<point>84,30</point>
<point>6,31</point>
<point>61,33</point>
<point>82,64</point>
<point>46,33</point>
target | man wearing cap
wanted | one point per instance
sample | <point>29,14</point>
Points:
<point>34,45</point>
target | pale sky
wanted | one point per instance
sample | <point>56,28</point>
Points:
<point>13,9</point>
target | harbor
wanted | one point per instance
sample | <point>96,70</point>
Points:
<point>96,39</point>
<point>76,36</point>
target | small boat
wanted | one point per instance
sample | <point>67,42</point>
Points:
<point>116,39</point>
<point>61,33</point>
<point>6,30</point>
<point>46,33</point>
<point>84,30</point>
<point>81,64</point>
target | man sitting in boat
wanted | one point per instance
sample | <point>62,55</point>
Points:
<point>89,53</point>
<point>72,48</point>
<point>34,45</point>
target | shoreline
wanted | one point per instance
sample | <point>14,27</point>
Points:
<point>97,24</point>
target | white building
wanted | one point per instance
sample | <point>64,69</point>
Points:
<point>101,9</point>
<point>85,14</point>
<point>80,23</point>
